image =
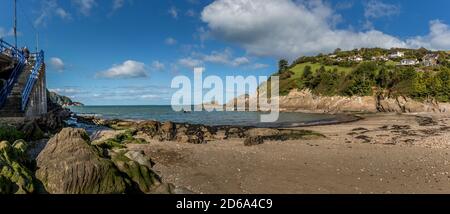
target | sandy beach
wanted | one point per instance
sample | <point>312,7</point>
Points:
<point>382,153</point>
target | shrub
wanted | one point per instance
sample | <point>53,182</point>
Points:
<point>10,133</point>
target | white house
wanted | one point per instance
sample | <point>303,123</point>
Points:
<point>409,62</point>
<point>397,54</point>
<point>430,60</point>
<point>356,58</point>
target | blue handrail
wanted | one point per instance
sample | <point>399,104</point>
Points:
<point>16,55</point>
<point>32,79</point>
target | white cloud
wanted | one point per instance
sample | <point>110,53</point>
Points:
<point>117,4</point>
<point>190,62</point>
<point>259,66</point>
<point>240,61</point>
<point>377,9</point>
<point>63,14</point>
<point>437,39</point>
<point>5,33</point>
<point>224,57</point>
<point>284,28</point>
<point>57,64</point>
<point>111,95</point>
<point>66,91</point>
<point>127,70</point>
<point>85,6</point>
<point>158,66</point>
<point>173,11</point>
<point>149,96</point>
<point>170,41</point>
<point>49,9</point>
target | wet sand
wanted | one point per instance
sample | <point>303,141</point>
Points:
<point>383,153</point>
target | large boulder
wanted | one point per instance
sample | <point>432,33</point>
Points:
<point>69,164</point>
<point>54,120</point>
<point>138,169</point>
<point>32,131</point>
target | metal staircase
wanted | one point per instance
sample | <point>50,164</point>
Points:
<point>15,94</point>
<point>19,61</point>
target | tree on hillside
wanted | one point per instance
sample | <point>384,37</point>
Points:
<point>383,79</point>
<point>308,77</point>
<point>283,65</point>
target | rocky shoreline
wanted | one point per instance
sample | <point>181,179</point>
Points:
<point>92,155</point>
<point>57,157</point>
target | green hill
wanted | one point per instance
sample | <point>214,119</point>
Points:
<point>416,73</point>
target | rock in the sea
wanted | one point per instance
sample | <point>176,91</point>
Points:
<point>253,141</point>
<point>15,178</point>
<point>70,165</point>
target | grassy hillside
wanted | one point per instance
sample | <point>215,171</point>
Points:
<point>419,74</point>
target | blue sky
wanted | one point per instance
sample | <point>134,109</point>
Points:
<point>126,52</point>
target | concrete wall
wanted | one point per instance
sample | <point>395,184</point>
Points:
<point>37,104</point>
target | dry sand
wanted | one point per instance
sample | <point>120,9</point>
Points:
<point>384,153</point>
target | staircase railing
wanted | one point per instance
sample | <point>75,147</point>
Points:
<point>34,75</point>
<point>17,56</point>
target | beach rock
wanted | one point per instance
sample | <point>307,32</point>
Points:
<point>253,141</point>
<point>139,157</point>
<point>192,139</point>
<point>70,165</point>
<point>254,132</point>
<point>151,128</point>
<point>53,121</point>
<point>138,169</point>
<point>15,177</point>
<point>32,131</point>
<point>167,131</point>
<point>234,132</point>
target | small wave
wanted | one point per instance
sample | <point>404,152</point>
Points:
<point>89,115</point>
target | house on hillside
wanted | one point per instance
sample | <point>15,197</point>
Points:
<point>409,62</point>
<point>430,60</point>
<point>380,58</point>
<point>397,54</point>
<point>356,58</point>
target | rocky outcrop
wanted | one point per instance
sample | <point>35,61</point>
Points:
<point>407,105</point>
<point>253,141</point>
<point>305,101</point>
<point>138,168</point>
<point>15,177</point>
<point>70,165</point>
<point>144,132</point>
<point>61,100</point>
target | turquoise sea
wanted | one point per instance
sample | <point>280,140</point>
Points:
<point>165,113</point>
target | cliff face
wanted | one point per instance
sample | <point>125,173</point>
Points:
<point>308,102</point>
<point>61,100</point>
